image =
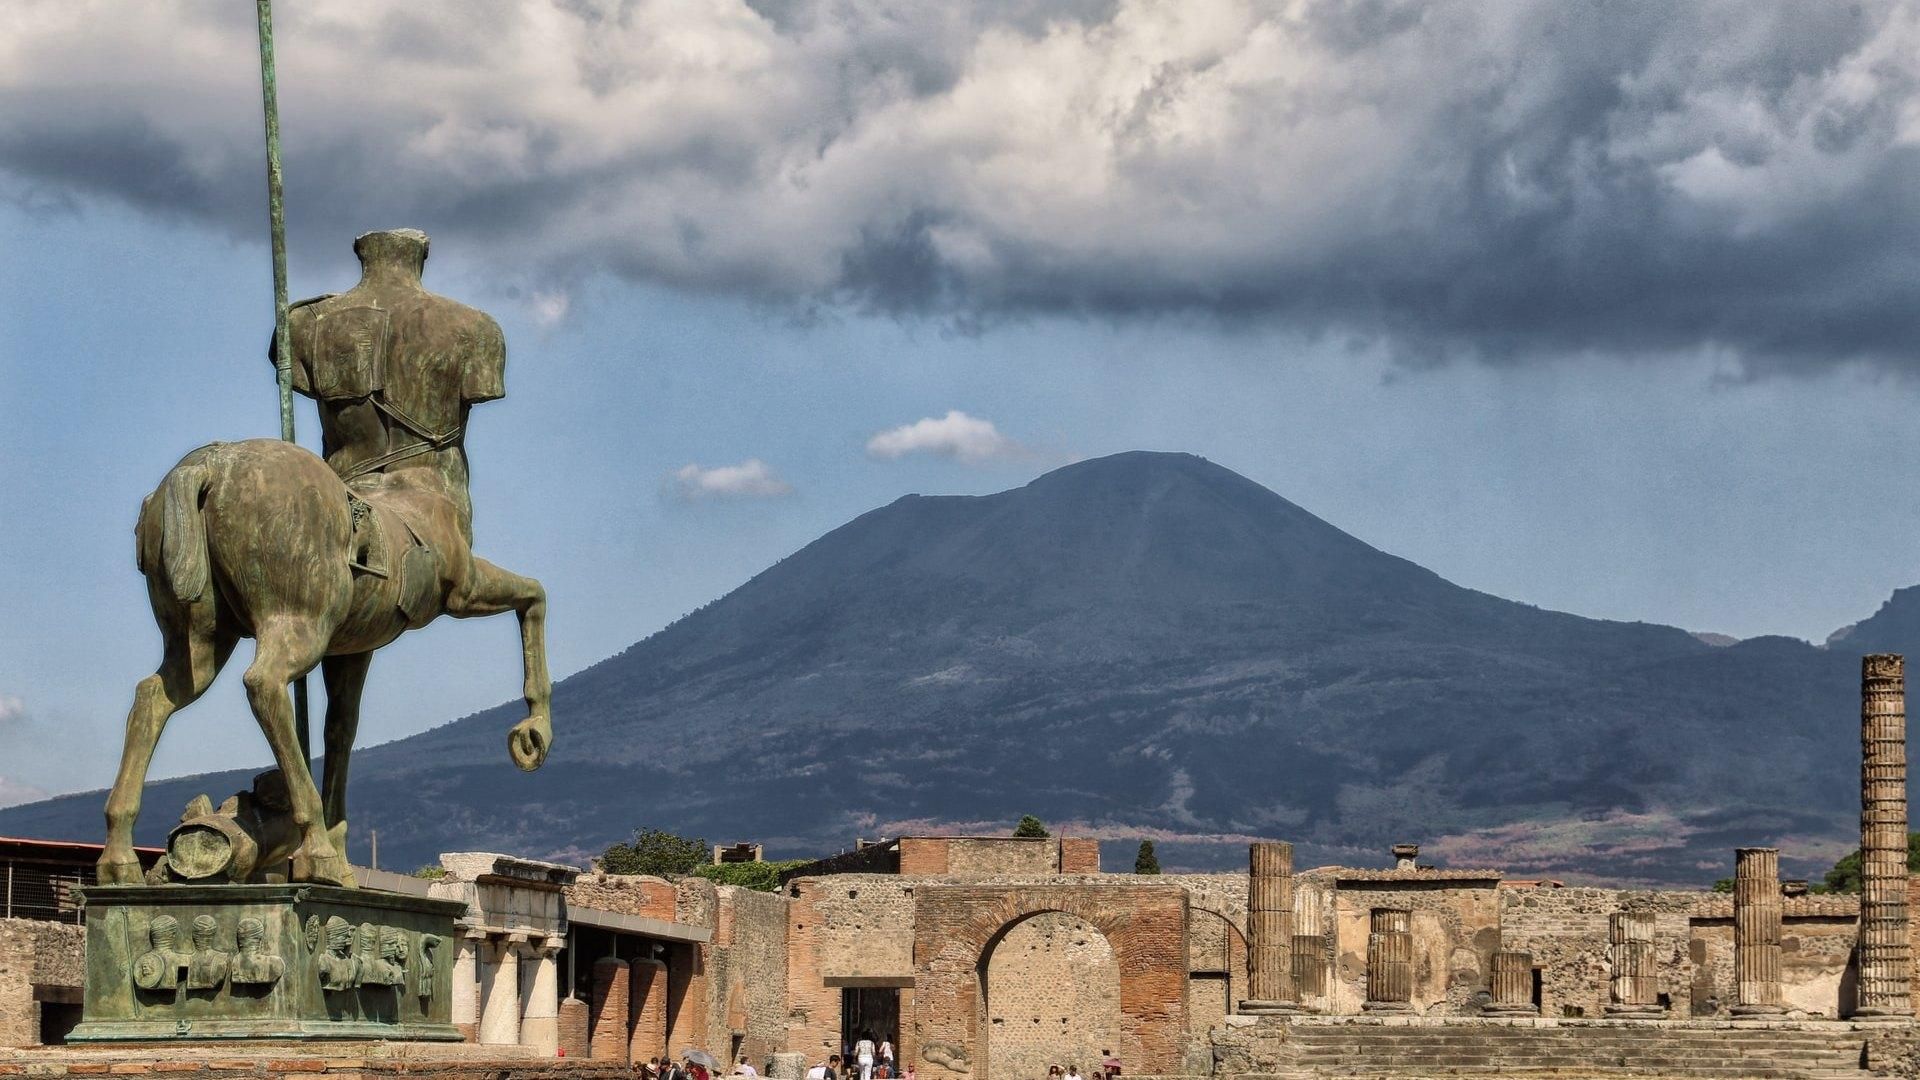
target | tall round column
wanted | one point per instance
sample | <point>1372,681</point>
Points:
<point>610,1032</point>
<point>1390,961</point>
<point>647,1001</point>
<point>1756,932</point>
<point>465,1004</point>
<point>540,1013</point>
<point>1512,984</point>
<point>1634,989</point>
<point>1885,955</point>
<point>1270,929</point>
<point>500,1003</point>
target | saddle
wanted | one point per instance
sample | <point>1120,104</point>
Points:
<point>374,551</point>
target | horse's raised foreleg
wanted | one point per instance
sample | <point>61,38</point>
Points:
<point>193,657</point>
<point>288,648</point>
<point>345,676</point>
<point>490,590</point>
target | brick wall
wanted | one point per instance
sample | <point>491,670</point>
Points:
<point>846,925</point>
<point>1079,855</point>
<point>34,952</point>
<point>627,894</point>
<point>1052,997</point>
<point>923,856</point>
<point>1566,931</point>
<point>747,974</point>
<point>1145,925</point>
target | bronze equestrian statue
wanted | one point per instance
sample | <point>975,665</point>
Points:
<point>323,562</point>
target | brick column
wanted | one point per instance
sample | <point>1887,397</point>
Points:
<point>1390,961</point>
<point>500,987</point>
<point>465,1005</point>
<point>647,1001</point>
<point>1270,929</point>
<point>1634,989</point>
<point>576,1021</point>
<point>1512,984</point>
<point>609,1037</point>
<point>1756,932</point>
<point>540,1012</point>
<point>1885,957</point>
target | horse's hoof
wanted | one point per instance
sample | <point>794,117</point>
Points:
<point>330,870</point>
<point>529,741</point>
<point>119,871</point>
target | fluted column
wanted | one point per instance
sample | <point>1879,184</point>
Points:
<point>610,1032</point>
<point>465,1003</point>
<point>1309,947</point>
<point>540,1013</point>
<point>500,990</point>
<point>1270,929</point>
<point>1885,954</point>
<point>1512,984</point>
<point>1756,932</point>
<point>1390,961</point>
<point>1634,989</point>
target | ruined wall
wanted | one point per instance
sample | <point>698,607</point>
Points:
<point>846,925</point>
<point>968,856</point>
<point>747,974</point>
<point>1216,945</point>
<point>1566,931</point>
<point>1053,997</point>
<point>1456,930</point>
<point>627,894</point>
<point>35,953</point>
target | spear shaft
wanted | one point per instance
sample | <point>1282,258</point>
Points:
<point>282,348</point>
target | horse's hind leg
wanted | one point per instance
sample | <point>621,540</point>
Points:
<point>196,647</point>
<point>346,676</point>
<point>490,590</point>
<point>289,647</point>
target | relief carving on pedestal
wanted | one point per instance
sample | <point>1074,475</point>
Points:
<point>207,968</point>
<point>159,967</point>
<point>253,965</point>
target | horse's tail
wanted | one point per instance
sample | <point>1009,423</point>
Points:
<point>172,536</point>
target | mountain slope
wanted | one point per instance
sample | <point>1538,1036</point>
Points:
<point>1146,644</point>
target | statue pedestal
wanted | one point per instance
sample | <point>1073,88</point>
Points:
<point>198,962</point>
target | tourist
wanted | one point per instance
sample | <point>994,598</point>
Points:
<point>1053,1072</point>
<point>1073,1073</point>
<point>863,1052</point>
<point>671,1070</point>
<point>819,1072</point>
<point>651,1070</point>
<point>743,1069</point>
<point>886,1055</point>
<point>833,1067</point>
<point>1109,1065</point>
<point>698,1071</point>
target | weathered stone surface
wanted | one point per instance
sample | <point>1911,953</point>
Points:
<point>576,1023</point>
<point>1512,984</point>
<point>610,1037</point>
<point>1270,986</point>
<point>1757,904</point>
<point>1634,983</point>
<point>1885,956</point>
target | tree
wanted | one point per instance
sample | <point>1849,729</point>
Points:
<point>1031,827</point>
<point>764,876</point>
<point>657,852</point>
<point>1845,875</point>
<point>1146,862</point>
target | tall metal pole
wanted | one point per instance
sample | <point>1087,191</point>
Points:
<point>282,348</point>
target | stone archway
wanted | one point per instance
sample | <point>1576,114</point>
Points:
<point>1050,991</point>
<point>955,927</point>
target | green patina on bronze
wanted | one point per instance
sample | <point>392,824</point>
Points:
<point>266,962</point>
<point>324,561</point>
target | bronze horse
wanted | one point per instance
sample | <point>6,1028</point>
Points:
<point>264,539</point>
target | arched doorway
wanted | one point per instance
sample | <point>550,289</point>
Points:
<point>1050,995</point>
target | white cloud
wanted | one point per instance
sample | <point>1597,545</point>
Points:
<point>751,479</point>
<point>550,307</point>
<point>12,709</point>
<point>14,792</point>
<point>956,435</point>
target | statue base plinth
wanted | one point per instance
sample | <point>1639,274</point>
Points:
<point>267,962</point>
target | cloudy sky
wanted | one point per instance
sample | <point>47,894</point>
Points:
<point>1605,307</point>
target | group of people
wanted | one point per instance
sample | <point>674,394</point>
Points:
<point>665,1068</point>
<point>866,1059</point>
<point>1109,1069</point>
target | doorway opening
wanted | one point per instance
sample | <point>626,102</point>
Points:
<point>869,1012</point>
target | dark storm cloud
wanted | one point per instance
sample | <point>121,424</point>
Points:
<point>1502,181</point>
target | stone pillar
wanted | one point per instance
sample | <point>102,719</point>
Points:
<point>1634,990</point>
<point>1270,929</point>
<point>609,1038</point>
<point>647,1001</point>
<point>789,1066</point>
<point>540,1013</point>
<point>576,1021</point>
<point>1512,984</point>
<point>1885,953</point>
<point>500,991</point>
<point>466,983</point>
<point>1309,947</point>
<point>1390,961</point>
<point>1756,932</point>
